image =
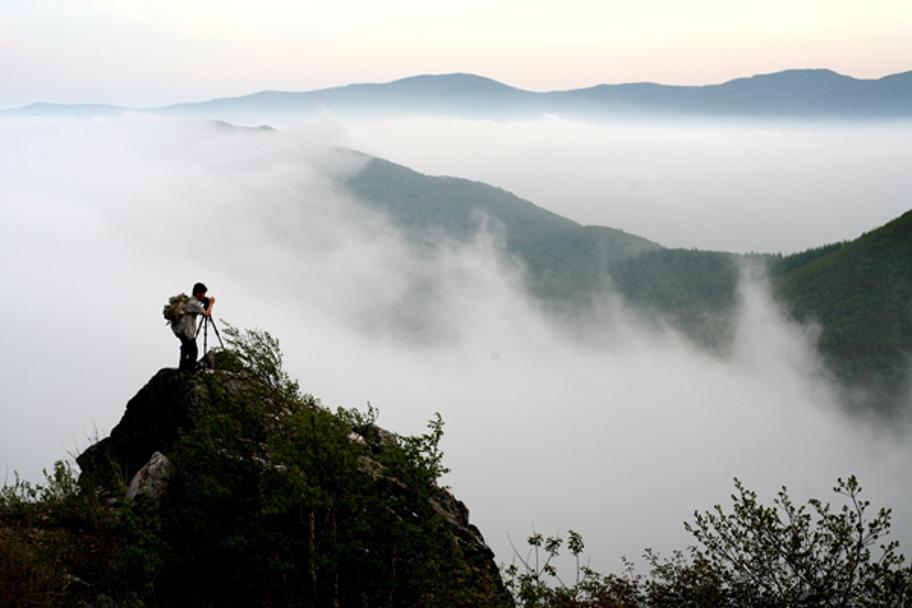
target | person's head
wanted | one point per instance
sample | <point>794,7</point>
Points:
<point>199,290</point>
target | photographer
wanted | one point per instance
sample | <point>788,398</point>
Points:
<point>185,328</point>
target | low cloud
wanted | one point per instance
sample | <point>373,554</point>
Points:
<point>734,186</point>
<point>620,438</point>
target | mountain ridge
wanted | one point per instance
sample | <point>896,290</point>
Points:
<point>866,321</point>
<point>793,93</point>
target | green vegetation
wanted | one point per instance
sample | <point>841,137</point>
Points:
<point>860,293</point>
<point>62,547</point>
<point>754,556</point>
<point>696,291</point>
<point>565,263</point>
<point>274,501</point>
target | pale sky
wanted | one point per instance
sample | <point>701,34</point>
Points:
<point>141,52</point>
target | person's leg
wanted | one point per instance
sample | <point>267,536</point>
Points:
<point>192,354</point>
<point>182,364</point>
<point>187,354</point>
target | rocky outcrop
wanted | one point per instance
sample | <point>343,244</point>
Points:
<point>154,418</point>
<point>238,436</point>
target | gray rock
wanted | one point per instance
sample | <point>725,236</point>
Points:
<point>152,479</point>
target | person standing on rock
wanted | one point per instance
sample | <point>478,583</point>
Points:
<point>185,327</point>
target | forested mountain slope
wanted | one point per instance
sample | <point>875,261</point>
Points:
<point>566,263</point>
<point>859,292</point>
<point>861,295</point>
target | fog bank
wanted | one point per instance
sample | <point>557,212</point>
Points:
<point>759,186</point>
<point>100,221</point>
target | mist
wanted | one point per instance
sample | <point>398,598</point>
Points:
<point>102,220</point>
<point>752,186</point>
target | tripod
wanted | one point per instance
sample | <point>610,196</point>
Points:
<point>204,327</point>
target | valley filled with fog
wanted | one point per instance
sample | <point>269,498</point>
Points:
<point>741,186</point>
<point>620,438</point>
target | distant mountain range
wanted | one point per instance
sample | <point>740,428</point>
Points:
<point>792,94</point>
<point>859,292</point>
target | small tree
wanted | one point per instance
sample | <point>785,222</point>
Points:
<point>535,581</point>
<point>809,555</point>
<point>756,556</point>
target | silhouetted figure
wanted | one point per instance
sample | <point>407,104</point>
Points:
<point>185,327</point>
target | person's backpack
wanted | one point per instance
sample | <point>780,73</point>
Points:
<point>174,309</point>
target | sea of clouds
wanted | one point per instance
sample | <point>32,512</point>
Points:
<point>620,438</point>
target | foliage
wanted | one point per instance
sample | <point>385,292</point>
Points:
<point>532,581</point>
<point>299,506</point>
<point>808,555</point>
<point>54,537</point>
<point>780,265</point>
<point>58,496</point>
<point>694,290</point>
<point>858,292</point>
<point>565,263</point>
<point>29,573</point>
<point>258,352</point>
<point>27,578</point>
<point>274,501</point>
<point>782,555</point>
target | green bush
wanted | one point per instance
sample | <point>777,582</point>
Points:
<point>754,556</point>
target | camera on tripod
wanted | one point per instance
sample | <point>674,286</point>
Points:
<point>205,322</point>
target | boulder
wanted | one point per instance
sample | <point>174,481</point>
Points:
<point>152,479</point>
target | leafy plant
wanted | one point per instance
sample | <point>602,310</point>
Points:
<point>754,556</point>
<point>806,555</point>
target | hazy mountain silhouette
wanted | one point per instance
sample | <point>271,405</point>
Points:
<point>64,110</point>
<point>791,93</point>
<point>804,94</point>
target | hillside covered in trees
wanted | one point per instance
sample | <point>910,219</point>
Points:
<point>860,292</point>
